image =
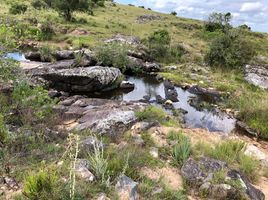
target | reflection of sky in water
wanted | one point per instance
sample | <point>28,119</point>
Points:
<point>16,56</point>
<point>213,121</point>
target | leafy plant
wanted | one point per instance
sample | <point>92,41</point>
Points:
<point>99,164</point>
<point>18,8</point>
<point>181,151</point>
<point>113,54</point>
<point>229,50</point>
<point>3,129</point>
<point>41,185</point>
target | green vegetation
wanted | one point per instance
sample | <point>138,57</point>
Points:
<point>17,8</point>
<point>232,152</point>
<point>3,130</point>
<point>41,185</point>
<point>113,54</point>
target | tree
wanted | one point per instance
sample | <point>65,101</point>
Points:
<point>219,21</point>
<point>67,7</point>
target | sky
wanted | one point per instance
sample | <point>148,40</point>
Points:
<point>254,13</point>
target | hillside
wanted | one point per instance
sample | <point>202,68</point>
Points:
<point>129,103</point>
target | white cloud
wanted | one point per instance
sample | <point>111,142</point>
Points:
<point>251,7</point>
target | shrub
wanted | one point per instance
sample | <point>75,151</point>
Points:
<point>158,44</point>
<point>182,150</point>
<point>46,53</point>
<point>47,31</point>
<point>173,13</point>
<point>41,185</point>
<point>32,104</point>
<point>249,167</point>
<point>218,21</point>
<point>152,113</point>
<point>3,129</point>
<point>113,54</point>
<point>229,51</point>
<point>9,70</point>
<point>17,8</point>
<point>228,151</point>
<point>39,4</point>
<point>99,164</point>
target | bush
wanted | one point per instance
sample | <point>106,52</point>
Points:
<point>47,31</point>
<point>229,51</point>
<point>228,151</point>
<point>9,70</point>
<point>39,4</point>
<point>3,129</point>
<point>152,113</point>
<point>113,54</point>
<point>173,13</point>
<point>17,8</point>
<point>218,21</point>
<point>249,167</point>
<point>158,44</point>
<point>46,53</point>
<point>32,104</point>
<point>41,185</point>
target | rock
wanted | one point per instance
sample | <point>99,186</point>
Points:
<point>168,104</point>
<point>101,116</point>
<point>54,93</point>
<point>127,85</point>
<point>63,55</point>
<point>89,79</point>
<point>159,99</point>
<point>170,91</point>
<point>141,126</point>
<point>102,196</point>
<point>208,94</point>
<point>127,189</point>
<point>138,65</point>
<point>257,75</point>
<point>124,39</point>
<point>172,68</point>
<point>251,192</point>
<point>33,56</point>
<point>253,151</point>
<point>245,129</point>
<point>81,169</point>
<point>200,175</point>
<point>146,98</point>
<point>154,152</point>
<point>89,143</point>
<point>147,18</point>
<point>137,140</point>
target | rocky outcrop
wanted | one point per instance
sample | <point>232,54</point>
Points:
<point>88,79</point>
<point>131,40</point>
<point>147,18</point>
<point>257,75</point>
<point>139,65</point>
<point>127,189</point>
<point>81,169</point>
<point>206,94</point>
<point>170,92</point>
<point>200,175</point>
<point>100,116</point>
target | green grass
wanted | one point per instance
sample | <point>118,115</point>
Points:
<point>266,171</point>
<point>232,152</point>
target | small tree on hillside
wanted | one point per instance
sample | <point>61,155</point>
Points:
<point>219,21</point>
<point>67,7</point>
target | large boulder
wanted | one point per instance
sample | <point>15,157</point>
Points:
<point>126,39</point>
<point>88,79</point>
<point>170,91</point>
<point>200,175</point>
<point>257,75</point>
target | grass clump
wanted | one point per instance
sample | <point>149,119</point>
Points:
<point>18,8</point>
<point>266,171</point>
<point>181,151</point>
<point>3,129</point>
<point>249,167</point>
<point>41,185</point>
<point>152,113</point>
<point>113,54</point>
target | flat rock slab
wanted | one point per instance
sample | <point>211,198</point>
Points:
<point>82,79</point>
<point>257,75</point>
<point>100,116</point>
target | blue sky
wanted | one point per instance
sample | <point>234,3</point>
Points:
<point>251,12</point>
